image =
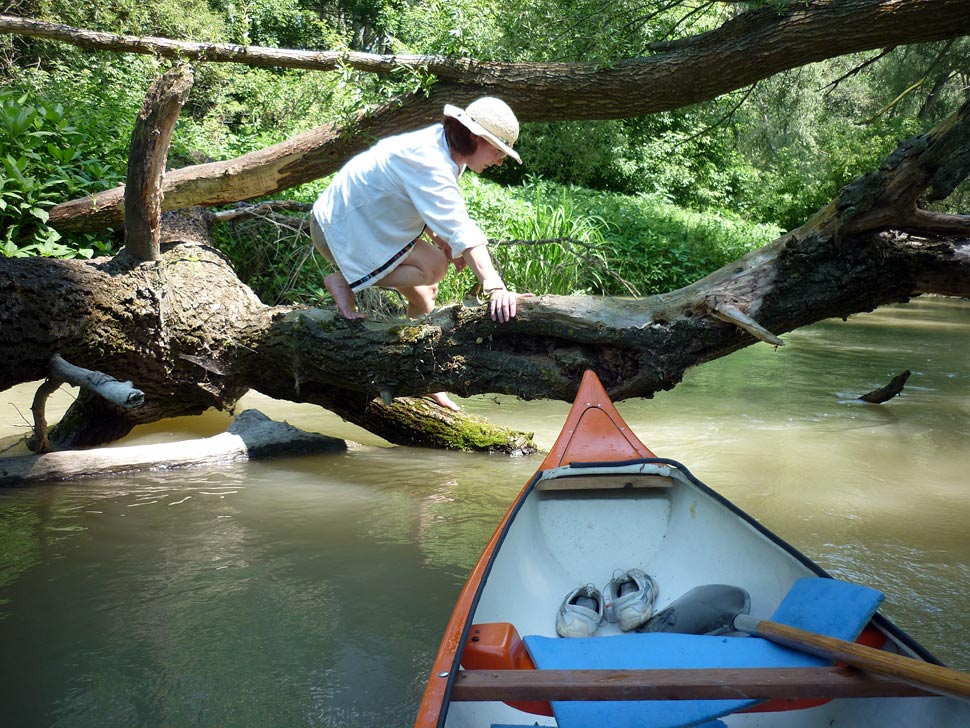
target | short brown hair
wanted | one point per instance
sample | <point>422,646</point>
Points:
<point>460,139</point>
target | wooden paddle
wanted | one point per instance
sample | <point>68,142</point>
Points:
<point>938,679</point>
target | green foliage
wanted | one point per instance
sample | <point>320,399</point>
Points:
<point>181,19</point>
<point>664,246</point>
<point>651,203</point>
<point>455,28</point>
<point>573,254</point>
<point>45,160</point>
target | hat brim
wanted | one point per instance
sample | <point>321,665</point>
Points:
<point>477,129</point>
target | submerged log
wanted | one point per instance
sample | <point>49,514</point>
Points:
<point>251,436</point>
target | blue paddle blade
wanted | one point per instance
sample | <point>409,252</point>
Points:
<point>828,606</point>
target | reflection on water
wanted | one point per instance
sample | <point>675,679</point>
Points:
<point>313,591</point>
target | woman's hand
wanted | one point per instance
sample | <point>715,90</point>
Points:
<point>502,304</point>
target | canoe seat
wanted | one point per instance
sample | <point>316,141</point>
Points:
<point>655,651</point>
<point>826,606</point>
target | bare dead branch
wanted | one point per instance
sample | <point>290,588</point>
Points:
<point>832,85</point>
<point>884,394</point>
<point>146,161</point>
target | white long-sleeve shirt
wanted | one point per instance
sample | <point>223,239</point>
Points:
<point>383,198</point>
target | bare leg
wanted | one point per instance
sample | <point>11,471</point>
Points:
<point>342,296</point>
<point>420,303</point>
<point>420,299</point>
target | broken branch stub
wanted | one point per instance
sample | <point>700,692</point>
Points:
<point>122,394</point>
<point>147,158</point>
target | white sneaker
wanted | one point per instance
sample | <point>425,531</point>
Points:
<point>629,598</point>
<point>580,613</point>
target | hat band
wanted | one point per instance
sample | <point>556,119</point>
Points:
<point>494,134</point>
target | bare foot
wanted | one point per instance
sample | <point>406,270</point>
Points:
<point>342,296</point>
<point>445,401</point>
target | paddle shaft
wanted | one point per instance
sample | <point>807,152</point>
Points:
<point>941,680</point>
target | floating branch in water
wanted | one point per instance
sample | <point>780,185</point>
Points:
<point>884,394</point>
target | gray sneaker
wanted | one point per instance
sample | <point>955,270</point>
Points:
<point>629,598</point>
<point>580,613</point>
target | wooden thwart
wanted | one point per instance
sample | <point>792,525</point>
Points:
<point>678,684</point>
<point>605,482</point>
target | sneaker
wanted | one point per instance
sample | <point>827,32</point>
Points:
<point>580,613</point>
<point>629,598</point>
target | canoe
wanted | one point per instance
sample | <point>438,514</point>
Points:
<point>602,503</point>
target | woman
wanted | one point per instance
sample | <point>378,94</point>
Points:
<point>370,220</point>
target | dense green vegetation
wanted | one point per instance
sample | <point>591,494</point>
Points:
<point>637,206</point>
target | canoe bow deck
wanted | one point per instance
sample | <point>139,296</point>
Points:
<point>601,501</point>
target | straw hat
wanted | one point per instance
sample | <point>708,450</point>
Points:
<point>492,119</point>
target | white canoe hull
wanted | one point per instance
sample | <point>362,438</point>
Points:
<point>684,536</point>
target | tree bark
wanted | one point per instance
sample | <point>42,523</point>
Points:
<point>753,45</point>
<point>191,336</point>
<point>146,161</point>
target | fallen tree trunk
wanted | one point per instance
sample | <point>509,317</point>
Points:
<point>192,336</point>
<point>251,436</point>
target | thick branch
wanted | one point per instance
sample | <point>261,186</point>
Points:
<point>146,161</point>
<point>754,45</point>
<point>38,409</point>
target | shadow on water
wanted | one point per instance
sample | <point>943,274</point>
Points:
<point>313,591</point>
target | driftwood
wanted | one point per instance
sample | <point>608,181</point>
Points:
<point>120,394</point>
<point>252,435</point>
<point>884,394</point>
